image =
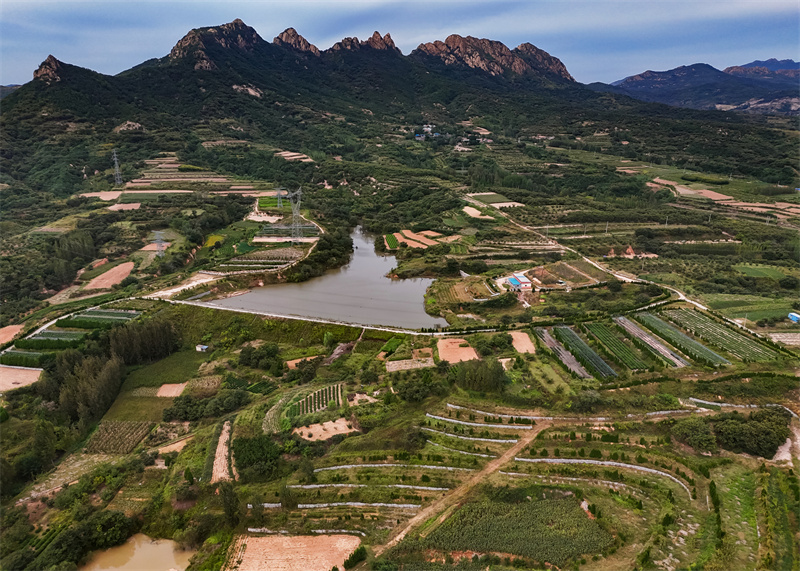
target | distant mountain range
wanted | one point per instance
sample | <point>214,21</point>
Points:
<point>770,86</point>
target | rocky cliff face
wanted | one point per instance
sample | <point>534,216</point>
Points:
<point>541,60</point>
<point>763,73</point>
<point>289,38</point>
<point>235,35</point>
<point>493,57</point>
<point>375,42</point>
<point>49,71</point>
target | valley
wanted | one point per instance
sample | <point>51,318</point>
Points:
<point>436,311</point>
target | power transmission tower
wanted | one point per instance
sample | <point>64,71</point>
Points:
<point>297,231</point>
<point>117,175</point>
<point>280,197</point>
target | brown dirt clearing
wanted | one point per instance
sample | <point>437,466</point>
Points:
<point>324,430</point>
<point>8,332</point>
<point>298,553</point>
<point>112,277</point>
<point>175,446</point>
<point>171,390</point>
<point>451,351</point>
<point>475,213</point>
<point>126,206</point>
<point>293,363</point>
<point>14,378</point>
<point>522,342</point>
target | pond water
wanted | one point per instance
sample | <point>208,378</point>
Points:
<point>357,293</point>
<point>140,553</point>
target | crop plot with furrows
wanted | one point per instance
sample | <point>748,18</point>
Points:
<point>118,436</point>
<point>676,338</point>
<point>563,354</point>
<point>583,352</point>
<point>650,343</point>
<point>615,345</point>
<point>720,335</point>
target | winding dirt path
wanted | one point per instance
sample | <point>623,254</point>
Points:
<point>457,494</point>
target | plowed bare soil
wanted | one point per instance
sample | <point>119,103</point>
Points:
<point>112,277</point>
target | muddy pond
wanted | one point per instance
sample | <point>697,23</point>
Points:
<point>358,293</point>
<point>139,553</point>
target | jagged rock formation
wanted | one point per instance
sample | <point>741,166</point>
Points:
<point>492,56</point>
<point>289,38</point>
<point>375,42</point>
<point>49,70</point>
<point>195,44</point>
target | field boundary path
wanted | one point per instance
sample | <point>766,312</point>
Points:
<point>457,494</point>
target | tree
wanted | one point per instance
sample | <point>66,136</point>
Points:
<point>695,432</point>
<point>187,475</point>
<point>230,503</point>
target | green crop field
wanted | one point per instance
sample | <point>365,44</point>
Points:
<point>491,198</point>
<point>585,354</point>
<point>177,368</point>
<point>681,341</point>
<point>760,272</point>
<point>552,530</point>
<point>391,241</point>
<point>621,351</point>
<point>721,335</point>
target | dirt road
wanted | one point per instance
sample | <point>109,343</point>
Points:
<point>457,494</point>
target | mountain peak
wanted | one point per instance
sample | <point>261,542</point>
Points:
<point>380,43</point>
<point>375,42</point>
<point>49,70</point>
<point>289,38</point>
<point>538,58</point>
<point>234,35</point>
<point>492,56</point>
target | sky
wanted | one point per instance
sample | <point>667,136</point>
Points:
<point>598,40</point>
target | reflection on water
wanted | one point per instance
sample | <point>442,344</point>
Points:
<point>356,293</point>
<point>140,553</point>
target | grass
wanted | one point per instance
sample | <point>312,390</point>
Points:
<point>213,239</point>
<point>176,368</point>
<point>492,198</point>
<point>134,409</point>
<point>760,272</point>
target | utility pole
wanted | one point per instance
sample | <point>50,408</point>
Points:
<point>666,222</point>
<point>117,174</point>
<point>606,226</point>
<point>295,200</point>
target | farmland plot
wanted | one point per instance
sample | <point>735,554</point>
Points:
<point>682,341</point>
<point>652,344</point>
<point>552,530</point>
<point>583,352</point>
<point>118,436</point>
<point>221,472</point>
<point>563,355</point>
<point>615,345</point>
<point>318,400</point>
<point>720,335</point>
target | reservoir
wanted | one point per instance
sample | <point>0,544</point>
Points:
<point>358,293</point>
<point>138,553</point>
